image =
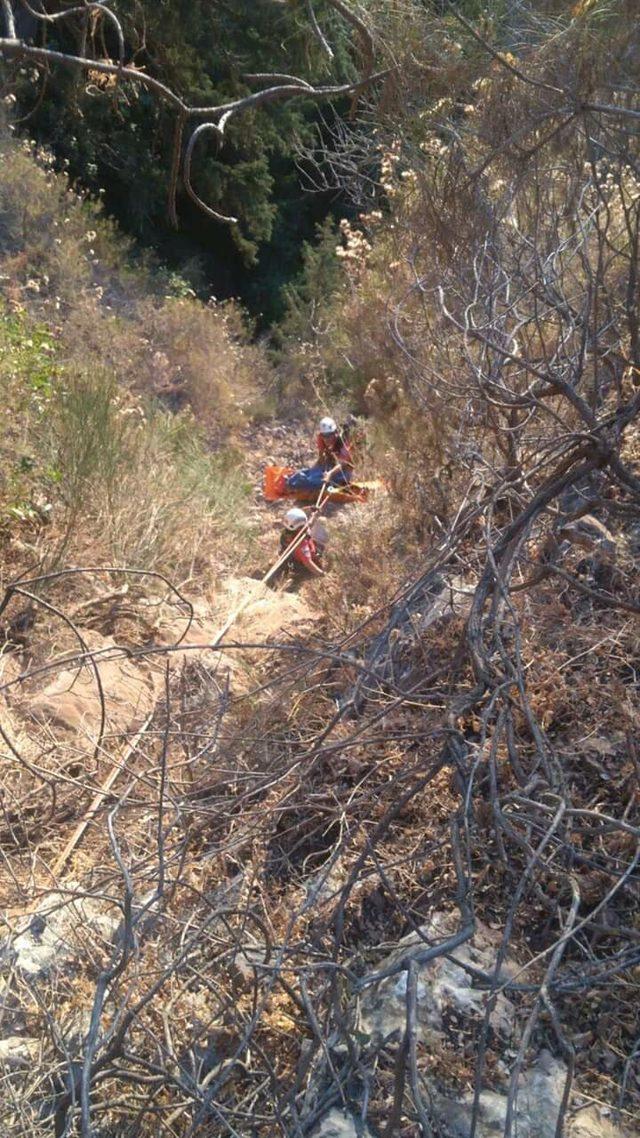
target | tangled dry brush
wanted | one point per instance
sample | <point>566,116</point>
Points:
<point>303,828</point>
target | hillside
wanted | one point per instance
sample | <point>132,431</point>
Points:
<point>357,857</point>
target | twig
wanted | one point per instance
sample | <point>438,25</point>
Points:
<point>99,799</point>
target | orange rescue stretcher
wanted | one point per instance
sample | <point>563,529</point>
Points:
<point>275,488</point>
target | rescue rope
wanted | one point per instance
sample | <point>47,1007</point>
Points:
<point>119,767</point>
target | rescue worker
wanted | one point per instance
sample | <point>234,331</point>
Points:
<point>334,464</point>
<point>334,453</point>
<point>307,556</point>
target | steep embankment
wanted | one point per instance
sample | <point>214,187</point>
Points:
<point>270,803</point>
<point>86,695</point>
<point>375,872</point>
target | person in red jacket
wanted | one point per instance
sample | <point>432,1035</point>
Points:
<point>334,452</point>
<point>307,555</point>
<point>334,464</point>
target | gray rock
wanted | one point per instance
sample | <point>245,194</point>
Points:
<point>336,1124</point>
<point>537,1105</point>
<point>17,1051</point>
<point>537,1108</point>
<point>444,986</point>
<point>57,930</point>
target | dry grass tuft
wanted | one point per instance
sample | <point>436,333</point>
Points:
<point>125,398</point>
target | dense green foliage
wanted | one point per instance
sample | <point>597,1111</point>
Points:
<point>117,140</point>
<point>120,144</point>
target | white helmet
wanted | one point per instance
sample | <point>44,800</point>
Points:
<point>328,426</point>
<point>295,518</point>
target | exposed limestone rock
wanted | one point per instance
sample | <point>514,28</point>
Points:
<point>444,986</point>
<point>17,1051</point>
<point>336,1124</point>
<point>537,1107</point>
<point>56,931</point>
